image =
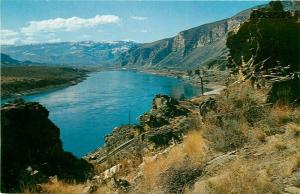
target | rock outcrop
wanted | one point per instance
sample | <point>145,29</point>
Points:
<point>163,108</point>
<point>31,149</point>
<point>265,50</point>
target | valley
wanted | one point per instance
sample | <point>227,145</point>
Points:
<point>213,110</point>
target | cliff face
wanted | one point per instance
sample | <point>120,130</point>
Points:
<point>31,149</point>
<point>190,48</point>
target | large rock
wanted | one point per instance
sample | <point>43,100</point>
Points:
<point>163,109</point>
<point>29,140</point>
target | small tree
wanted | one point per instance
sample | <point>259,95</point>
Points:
<point>200,73</point>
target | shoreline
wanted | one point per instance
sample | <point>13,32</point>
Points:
<point>214,88</point>
<point>49,88</point>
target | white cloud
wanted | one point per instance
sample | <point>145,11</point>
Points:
<point>144,31</point>
<point>8,37</point>
<point>8,33</point>
<point>138,18</point>
<point>99,30</point>
<point>68,24</point>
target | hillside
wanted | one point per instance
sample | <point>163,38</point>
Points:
<point>70,53</point>
<point>205,44</point>
<point>188,49</point>
<point>244,139</point>
<point>7,60</point>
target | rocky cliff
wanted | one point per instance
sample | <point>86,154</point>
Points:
<point>190,48</point>
<point>31,149</point>
<point>205,44</point>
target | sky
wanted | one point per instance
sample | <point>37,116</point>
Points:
<point>41,21</point>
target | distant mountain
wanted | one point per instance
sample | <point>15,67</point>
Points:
<point>190,48</point>
<point>204,44</point>
<point>7,60</point>
<point>70,53</point>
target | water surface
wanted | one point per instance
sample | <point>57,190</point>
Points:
<point>86,112</point>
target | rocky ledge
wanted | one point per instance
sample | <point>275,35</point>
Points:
<point>31,149</point>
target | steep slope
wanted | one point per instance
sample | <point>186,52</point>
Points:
<point>190,48</point>
<point>70,53</point>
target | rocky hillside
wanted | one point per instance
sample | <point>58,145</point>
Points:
<point>70,53</point>
<point>266,51</point>
<point>190,48</point>
<point>31,149</point>
<point>205,44</point>
<point>229,143</point>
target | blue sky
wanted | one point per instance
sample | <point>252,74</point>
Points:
<point>35,21</point>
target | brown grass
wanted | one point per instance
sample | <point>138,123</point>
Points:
<point>293,130</point>
<point>193,148</point>
<point>291,164</point>
<point>62,187</point>
<point>280,114</point>
<point>238,178</point>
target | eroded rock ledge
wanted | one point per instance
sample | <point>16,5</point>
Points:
<point>31,149</point>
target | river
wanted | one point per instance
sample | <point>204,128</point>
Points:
<point>86,112</point>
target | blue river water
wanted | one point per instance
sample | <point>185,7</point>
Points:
<point>86,112</point>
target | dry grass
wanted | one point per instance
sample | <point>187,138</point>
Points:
<point>291,164</point>
<point>193,148</point>
<point>62,187</point>
<point>293,130</point>
<point>239,111</point>
<point>104,189</point>
<point>239,177</point>
<point>280,114</point>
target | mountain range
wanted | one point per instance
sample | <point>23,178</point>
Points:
<point>70,53</point>
<point>7,60</point>
<point>190,48</point>
<point>193,47</point>
<point>205,44</point>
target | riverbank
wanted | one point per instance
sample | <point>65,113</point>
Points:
<point>19,81</point>
<point>213,80</point>
<point>193,146</point>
